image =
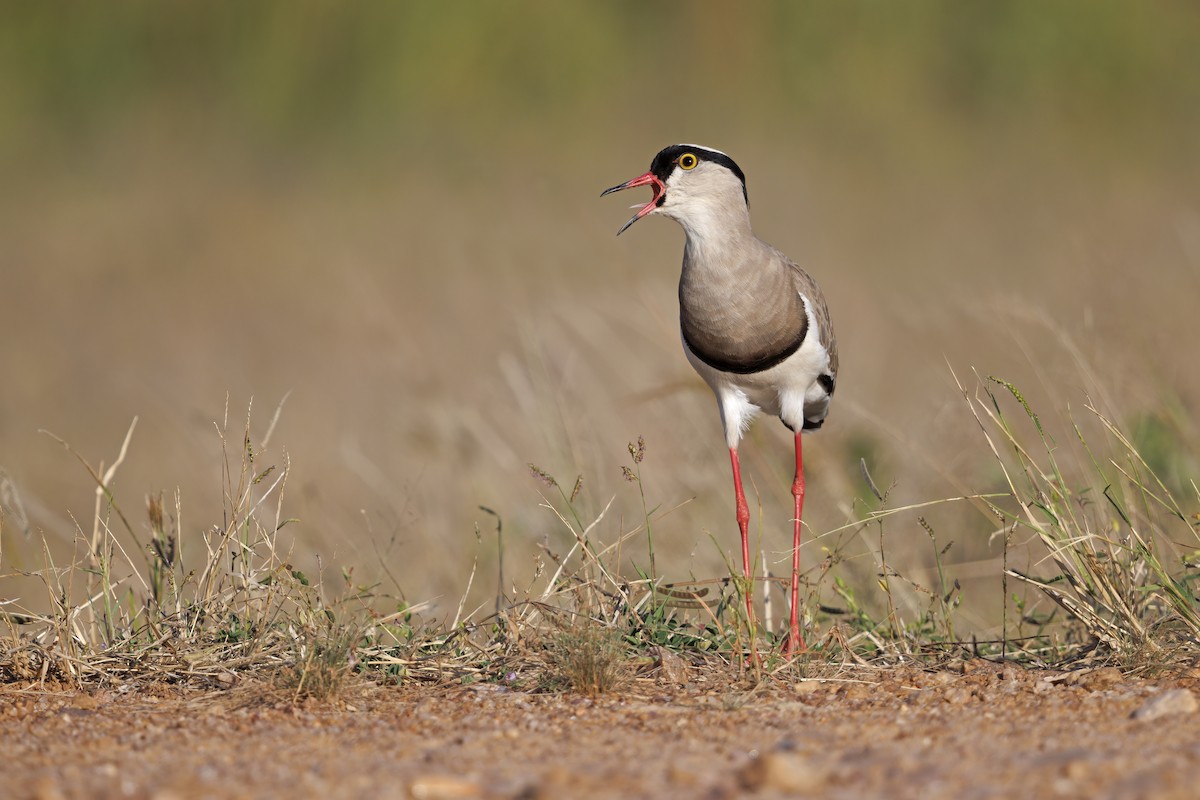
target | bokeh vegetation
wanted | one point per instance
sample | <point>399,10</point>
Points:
<point>288,75</point>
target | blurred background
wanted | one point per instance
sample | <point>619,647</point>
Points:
<point>389,215</point>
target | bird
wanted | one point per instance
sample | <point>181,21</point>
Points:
<point>754,324</point>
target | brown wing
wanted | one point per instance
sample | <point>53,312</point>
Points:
<point>807,287</point>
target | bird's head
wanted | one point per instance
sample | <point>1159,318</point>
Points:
<point>692,184</point>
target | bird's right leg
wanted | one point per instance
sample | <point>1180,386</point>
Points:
<point>736,413</point>
<point>743,518</point>
<point>795,642</point>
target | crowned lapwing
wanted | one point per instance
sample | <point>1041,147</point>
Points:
<point>754,324</point>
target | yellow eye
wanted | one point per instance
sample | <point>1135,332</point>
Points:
<point>688,161</point>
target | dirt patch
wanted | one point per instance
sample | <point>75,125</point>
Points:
<point>978,731</point>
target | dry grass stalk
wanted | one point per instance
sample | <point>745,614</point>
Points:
<point>1118,540</point>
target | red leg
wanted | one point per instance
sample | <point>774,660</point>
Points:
<point>795,642</point>
<point>743,518</point>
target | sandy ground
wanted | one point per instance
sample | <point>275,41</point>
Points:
<point>969,732</point>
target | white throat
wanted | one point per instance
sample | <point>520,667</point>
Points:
<point>714,230</point>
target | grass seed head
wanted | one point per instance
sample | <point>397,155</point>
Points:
<point>638,450</point>
<point>542,476</point>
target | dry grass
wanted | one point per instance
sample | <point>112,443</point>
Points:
<point>198,609</point>
<point>228,606</point>
<point>1120,551</point>
<point>323,663</point>
<point>587,659</point>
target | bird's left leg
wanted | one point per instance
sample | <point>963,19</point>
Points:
<point>795,643</point>
<point>742,511</point>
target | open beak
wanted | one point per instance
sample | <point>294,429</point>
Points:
<point>649,179</point>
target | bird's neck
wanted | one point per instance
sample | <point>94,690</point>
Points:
<point>716,233</point>
<point>721,251</point>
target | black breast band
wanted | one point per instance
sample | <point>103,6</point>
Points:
<point>747,366</point>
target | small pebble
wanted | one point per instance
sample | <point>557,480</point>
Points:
<point>443,787</point>
<point>1175,701</point>
<point>782,772</point>
<point>46,789</point>
<point>941,678</point>
<point>1098,679</point>
<point>672,667</point>
<point>956,696</point>
<point>680,776</point>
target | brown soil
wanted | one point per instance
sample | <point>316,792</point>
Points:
<point>976,731</point>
